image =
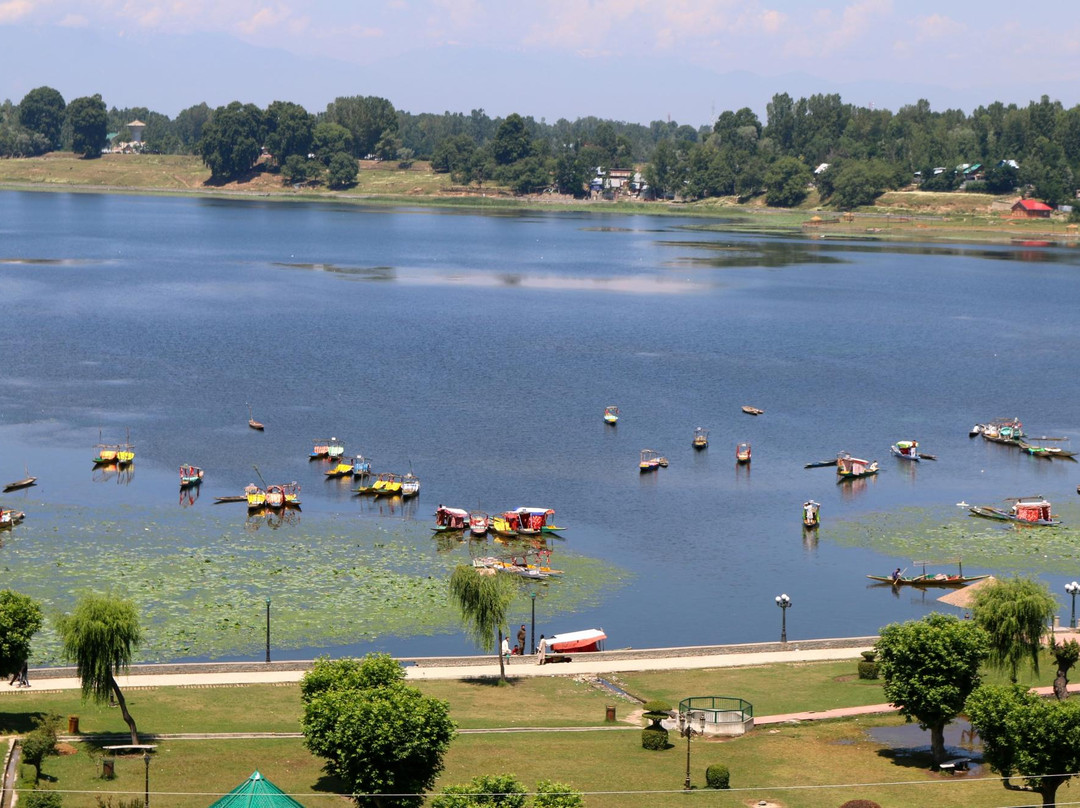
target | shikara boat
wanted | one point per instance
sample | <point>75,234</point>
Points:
<point>506,524</point>
<point>742,453</point>
<point>852,468</point>
<point>106,454</point>
<point>701,438</point>
<point>450,519</point>
<point>752,410</point>
<point>650,460</point>
<point>275,497</point>
<point>190,476</point>
<point>343,469</point>
<point>335,450</point>
<point>611,415</point>
<point>906,450</point>
<point>1008,431</point>
<point>926,579</point>
<point>319,449</point>
<point>1046,452</point>
<point>1025,511</point>
<point>292,494</point>
<point>391,487</point>
<point>10,518</point>
<point>820,464</point>
<point>410,485</point>
<point>361,466</point>
<point>125,453</point>
<point>255,496</point>
<point>25,482</point>
<point>256,425</point>
<point>810,516</point>
<point>479,522</point>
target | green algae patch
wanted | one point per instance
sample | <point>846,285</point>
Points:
<point>944,532</point>
<point>201,580</point>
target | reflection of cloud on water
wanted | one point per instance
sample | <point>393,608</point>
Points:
<point>641,285</point>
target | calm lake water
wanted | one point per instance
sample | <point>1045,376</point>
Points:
<point>480,350</point>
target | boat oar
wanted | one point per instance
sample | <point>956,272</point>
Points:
<point>927,456</point>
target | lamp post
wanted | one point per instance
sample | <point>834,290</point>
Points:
<point>268,629</point>
<point>688,730</point>
<point>532,640</point>
<point>146,799</point>
<point>1073,588</point>
<point>784,602</point>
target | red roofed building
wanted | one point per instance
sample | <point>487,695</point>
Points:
<point>1031,209</point>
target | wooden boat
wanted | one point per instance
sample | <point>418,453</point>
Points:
<point>975,430</point>
<point>255,496</point>
<point>275,497</point>
<point>125,452</point>
<point>361,466</point>
<point>344,469</point>
<point>257,425</point>
<point>1008,431</point>
<point>752,410</point>
<point>591,639</point>
<point>106,455</point>
<point>1025,511</point>
<point>742,453</point>
<point>450,519</point>
<point>10,518</point>
<point>906,450</point>
<point>319,449</point>
<point>650,461</point>
<point>820,464</point>
<point>926,579</point>
<point>335,450</point>
<point>852,468</point>
<point>479,522</point>
<point>410,485</point>
<point>662,462</point>
<point>810,516</point>
<point>25,482</point>
<point>532,521</point>
<point>611,415</point>
<point>505,524</point>
<point>701,438</point>
<point>190,476</point>
<point>1046,452</point>
<point>391,487</point>
<point>292,494</point>
<point>520,565</point>
<point>222,500</point>
<point>498,565</point>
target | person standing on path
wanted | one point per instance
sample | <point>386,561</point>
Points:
<point>521,639</point>
<point>506,649</point>
<point>541,650</point>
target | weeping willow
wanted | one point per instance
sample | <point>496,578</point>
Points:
<point>1015,614</point>
<point>483,600</point>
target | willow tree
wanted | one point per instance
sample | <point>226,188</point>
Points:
<point>1014,613</point>
<point>100,636</point>
<point>483,596</point>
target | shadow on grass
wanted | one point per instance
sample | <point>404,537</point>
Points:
<point>328,784</point>
<point>20,723</point>
<point>491,681</point>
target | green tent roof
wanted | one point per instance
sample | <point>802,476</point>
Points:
<point>256,792</point>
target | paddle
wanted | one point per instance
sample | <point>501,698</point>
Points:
<point>927,456</point>
<point>896,580</point>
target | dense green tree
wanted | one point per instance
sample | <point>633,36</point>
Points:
<point>387,146</point>
<point>40,742</point>
<point>662,174</point>
<point>860,182</point>
<point>20,619</point>
<point>88,119</point>
<point>1027,735</point>
<point>42,111</point>
<point>327,139</point>
<point>571,175</point>
<point>342,171</point>
<point>786,180</point>
<point>368,119</point>
<point>503,790</point>
<point>288,131</point>
<point>1002,179</point>
<point>780,117</point>
<point>231,141</point>
<point>189,124</point>
<point>454,154</point>
<point>483,600</point>
<point>528,176</point>
<point>930,666</point>
<point>511,142</point>
<point>298,169</point>
<point>100,637</point>
<point>379,736</point>
<point>1014,613</point>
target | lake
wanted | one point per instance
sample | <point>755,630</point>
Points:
<point>479,350</point>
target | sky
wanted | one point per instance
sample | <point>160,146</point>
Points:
<point>633,60</point>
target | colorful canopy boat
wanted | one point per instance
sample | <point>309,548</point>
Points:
<point>361,466</point>
<point>106,454</point>
<point>256,497</point>
<point>335,449</point>
<point>448,519</point>
<point>292,494</point>
<point>410,485</point>
<point>275,497</point>
<point>10,518</point>
<point>534,520</point>
<point>810,513</point>
<point>1008,431</point>
<point>611,415</point>
<point>319,450</point>
<point>851,468</point>
<point>906,449</point>
<point>650,460</point>
<point>520,565</point>
<point>590,639</point>
<point>479,521</point>
<point>506,523</point>
<point>391,487</point>
<point>1025,511</point>
<point>742,453</point>
<point>926,579</point>
<point>701,438</point>
<point>342,469</point>
<point>190,476</point>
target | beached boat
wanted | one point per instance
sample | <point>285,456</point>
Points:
<point>1025,511</point>
<point>410,485</point>
<point>927,579</point>
<point>520,564</point>
<point>275,497</point>
<point>25,482</point>
<point>752,410</point>
<point>479,522</point>
<point>450,519</point>
<point>650,460</point>
<point>810,516</point>
<point>611,415</point>
<point>361,466</point>
<point>906,449</point>
<point>255,496</point>
<point>190,476</point>
<point>10,518</point>
<point>343,469</point>
<point>292,494</point>
<point>591,639</point>
<point>742,453</point>
<point>852,468</point>
<point>499,565</point>
<point>256,425</point>
<point>701,438</point>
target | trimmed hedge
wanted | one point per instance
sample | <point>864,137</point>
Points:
<point>718,776</point>
<point>868,670</point>
<point>654,738</point>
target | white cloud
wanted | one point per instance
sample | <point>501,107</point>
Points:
<point>14,10</point>
<point>74,21</point>
<point>857,21</point>
<point>937,26</point>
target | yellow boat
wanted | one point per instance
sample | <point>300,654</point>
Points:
<point>341,470</point>
<point>611,415</point>
<point>391,487</point>
<point>256,497</point>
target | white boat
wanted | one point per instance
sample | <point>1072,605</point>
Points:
<point>906,450</point>
<point>410,485</point>
<point>576,641</point>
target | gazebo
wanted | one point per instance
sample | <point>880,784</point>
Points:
<point>256,792</point>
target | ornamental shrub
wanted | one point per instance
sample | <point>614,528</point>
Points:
<point>868,670</point>
<point>41,798</point>
<point>870,655</point>
<point>656,711</point>
<point>718,776</point>
<point>654,738</point>
<point>860,804</point>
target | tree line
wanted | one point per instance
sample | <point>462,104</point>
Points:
<point>848,153</point>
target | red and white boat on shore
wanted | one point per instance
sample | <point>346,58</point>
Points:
<point>576,641</point>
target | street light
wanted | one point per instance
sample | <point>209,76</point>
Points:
<point>1073,588</point>
<point>784,602</point>
<point>146,760</point>
<point>268,629</point>
<point>532,641</point>
<point>688,730</point>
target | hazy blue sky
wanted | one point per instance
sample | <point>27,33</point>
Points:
<point>629,59</point>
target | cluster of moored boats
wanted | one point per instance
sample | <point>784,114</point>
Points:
<point>521,521</point>
<point>520,565</point>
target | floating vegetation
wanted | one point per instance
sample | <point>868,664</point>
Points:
<point>949,532</point>
<point>201,581</point>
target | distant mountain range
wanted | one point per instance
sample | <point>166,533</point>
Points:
<point>168,73</point>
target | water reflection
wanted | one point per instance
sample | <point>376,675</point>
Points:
<point>271,518</point>
<point>114,472</point>
<point>773,254</point>
<point>188,495</point>
<point>907,740</point>
<point>852,488</point>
